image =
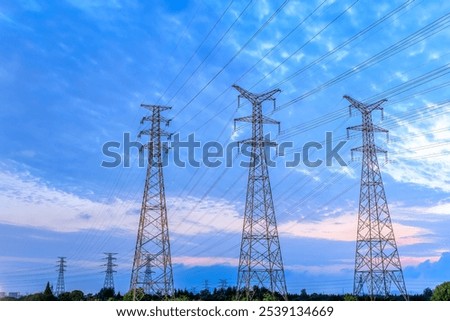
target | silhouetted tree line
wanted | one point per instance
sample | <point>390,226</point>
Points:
<point>441,293</point>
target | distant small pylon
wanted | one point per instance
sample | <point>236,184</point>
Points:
<point>148,278</point>
<point>110,265</point>
<point>60,284</point>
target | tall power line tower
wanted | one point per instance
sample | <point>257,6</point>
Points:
<point>260,262</point>
<point>377,262</point>
<point>60,285</point>
<point>153,232</point>
<point>110,265</point>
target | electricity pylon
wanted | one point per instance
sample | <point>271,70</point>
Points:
<point>260,262</point>
<point>60,285</point>
<point>377,262</point>
<point>148,278</point>
<point>153,232</point>
<point>110,265</point>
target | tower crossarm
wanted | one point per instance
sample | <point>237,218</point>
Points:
<point>254,98</point>
<point>373,128</point>
<point>376,149</point>
<point>247,119</point>
<point>149,132</point>
<point>264,120</point>
<point>368,128</point>
<point>161,119</point>
<point>376,105</point>
<point>363,108</point>
<point>252,142</point>
<point>152,107</point>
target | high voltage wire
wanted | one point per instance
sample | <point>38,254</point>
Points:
<point>407,116</point>
<point>210,52</point>
<point>351,39</point>
<point>420,35</point>
<point>236,54</point>
<point>259,30</point>
<point>233,200</point>
<point>343,44</point>
<point>413,83</point>
<point>338,178</point>
<point>389,93</point>
<point>319,122</point>
<point>268,53</point>
<point>198,48</point>
<point>269,18</point>
<point>309,41</point>
<point>163,69</point>
<point>229,88</point>
<point>336,49</point>
<point>281,41</point>
<point>333,181</point>
<point>379,21</point>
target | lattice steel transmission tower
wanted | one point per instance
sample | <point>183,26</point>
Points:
<point>260,261</point>
<point>148,278</point>
<point>377,262</point>
<point>60,285</point>
<point>109,273</point>
<point>153,232</point>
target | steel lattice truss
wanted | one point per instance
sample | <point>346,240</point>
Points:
<point>260,262</point>
<point>60,284</point>
<point>109,278</point>
<point>377,262</point>
<point>152,245</point>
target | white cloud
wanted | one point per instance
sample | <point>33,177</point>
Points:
<point>208,216</point>
<point>416,260</point>
<point>419,49</point>
<point>402,76</point>
<point>262,9</point>
<point>421,212</point>
<point>29,202</point>
<point>308,172</point>
<point>422,150</point>
<point>235,134</point>
<point>296,9</point>
<point>348,170</point>
<point>191,261</point>
<point>343,228</point>
<point>320,269</point>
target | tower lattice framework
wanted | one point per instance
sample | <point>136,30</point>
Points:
<point>153,232</point>
<point>60,284</point>
<point>260,261</point>
<point>377,262</point>
<point>109,272</point>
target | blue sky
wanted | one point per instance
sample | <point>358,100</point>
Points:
<point>72,77</point>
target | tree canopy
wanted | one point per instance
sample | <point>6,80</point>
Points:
<point>442,292</point>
